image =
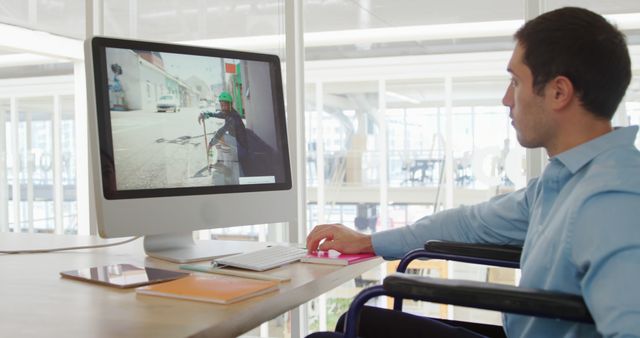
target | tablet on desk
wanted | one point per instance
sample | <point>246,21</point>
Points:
<point>123,275</point>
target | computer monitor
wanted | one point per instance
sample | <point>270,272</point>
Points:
<point>185,138</point>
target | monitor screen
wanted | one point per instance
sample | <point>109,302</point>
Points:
<point>182,120</point>
<point>186,138</point>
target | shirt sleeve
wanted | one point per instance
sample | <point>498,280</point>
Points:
<point>502,220</point>
<point>606,251</point>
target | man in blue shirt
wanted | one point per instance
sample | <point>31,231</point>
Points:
<point>578,222</point>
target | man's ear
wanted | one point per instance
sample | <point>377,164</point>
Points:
<point>560,92</point>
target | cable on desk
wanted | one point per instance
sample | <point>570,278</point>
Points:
<point>13,252</point>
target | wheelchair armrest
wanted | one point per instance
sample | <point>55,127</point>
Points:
<point>505,298</point>
<point>487,254</point>
<point>480,252</point>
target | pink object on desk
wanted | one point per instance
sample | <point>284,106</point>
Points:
<point>325,257</point>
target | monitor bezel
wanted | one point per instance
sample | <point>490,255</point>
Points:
<point>103,116</point>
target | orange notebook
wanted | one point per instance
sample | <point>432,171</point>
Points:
<point>213,289</point>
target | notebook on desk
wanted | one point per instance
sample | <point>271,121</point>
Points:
<point>212,289</point>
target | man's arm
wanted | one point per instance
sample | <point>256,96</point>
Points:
<point>502,220</point>
<point>606,251</point>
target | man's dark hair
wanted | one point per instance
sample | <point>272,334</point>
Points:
<point>585,48</point>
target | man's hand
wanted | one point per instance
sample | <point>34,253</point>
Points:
<point>201,118</point>
<point>338,237</point>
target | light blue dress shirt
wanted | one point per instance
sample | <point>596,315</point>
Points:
<point>579,224</point>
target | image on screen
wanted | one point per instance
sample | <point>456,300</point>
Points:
<point>180,120</point>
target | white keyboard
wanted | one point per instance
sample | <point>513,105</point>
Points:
<point>263,259</point>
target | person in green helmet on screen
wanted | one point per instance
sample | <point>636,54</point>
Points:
<point>233,125</point>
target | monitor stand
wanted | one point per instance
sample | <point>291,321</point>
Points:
<point>181,248</point>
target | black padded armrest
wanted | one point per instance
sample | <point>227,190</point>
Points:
<point>483,251</point>
<point>505,298</point>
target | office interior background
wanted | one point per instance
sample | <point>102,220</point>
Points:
<point>402,110</point>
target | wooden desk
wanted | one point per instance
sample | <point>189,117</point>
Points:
<point>36,302</point>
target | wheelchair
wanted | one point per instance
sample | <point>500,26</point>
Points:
<point>489,296</point>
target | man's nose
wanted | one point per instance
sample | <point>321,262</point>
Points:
<point>507,99</point>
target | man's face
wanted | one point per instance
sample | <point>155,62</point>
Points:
<point>527,110</point>
<point>225,106</point>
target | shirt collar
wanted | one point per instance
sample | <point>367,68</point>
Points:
<point>575,158</point>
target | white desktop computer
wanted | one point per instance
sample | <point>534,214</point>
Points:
<point>185,138</point>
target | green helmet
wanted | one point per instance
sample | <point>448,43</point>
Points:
<point>225,96</point>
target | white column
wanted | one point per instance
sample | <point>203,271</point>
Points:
<point>30,168</point>
<point>84,188</point>
<point>264,329</point>
<point>295,111</point>
<point>262,230</point>
<point>406,146</point>
<point>32,13</point>
<point>94,18</point>
<point>322,312</point>
<point>202,18</point>
<point>15,123</point>
<point>448,157</point>
<point>58,189</point>
<point>322,300</point>
<point>87,223</point>
<point>320,154</point>
<point>295,126</point>
<point>4,185</point>
<point>533,8</point>
<point>133,19</point>
<point>384,155</point>
<point>536,158</point>
<point>383,162</point>
<point>620,118</point>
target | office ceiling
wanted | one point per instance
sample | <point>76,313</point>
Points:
<point>187,20</point>
<point>198,19</point>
